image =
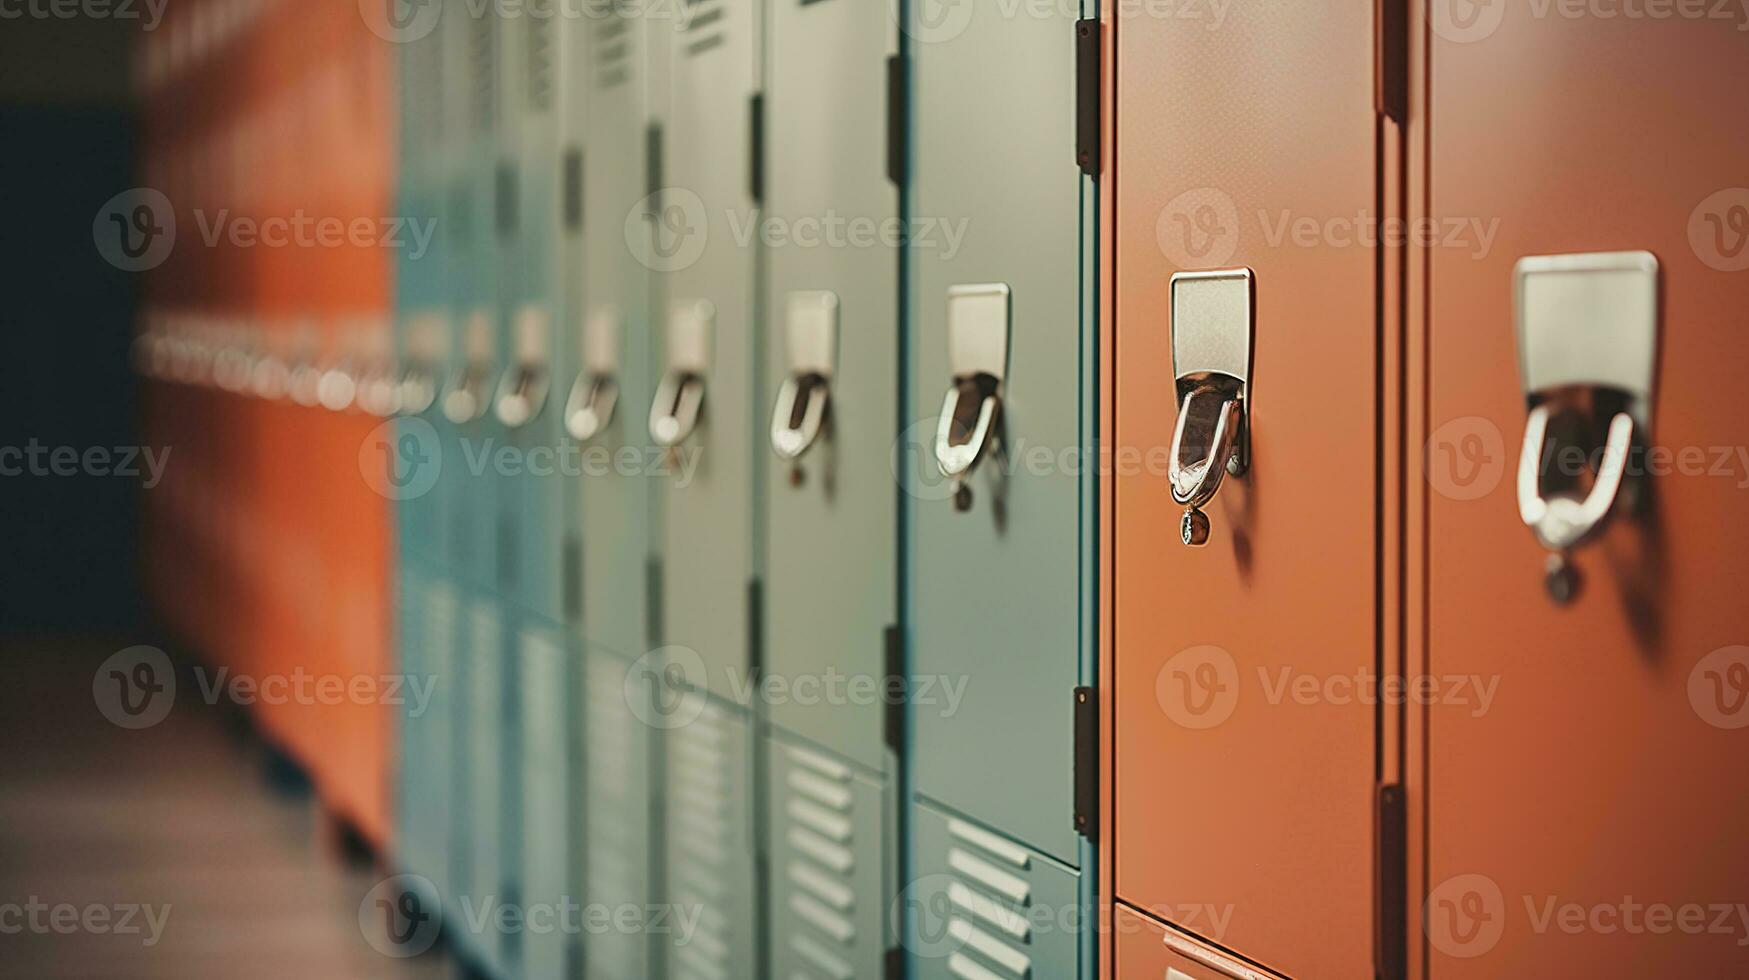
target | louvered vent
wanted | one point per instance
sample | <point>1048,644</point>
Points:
<point>540,58</point>
<point>703,841</point>
<point>704,28</point>
<point>483,71</point>
<point>611,46</point>
<point>615,832</point>
<point>819,876</point>
<point>987,896</point>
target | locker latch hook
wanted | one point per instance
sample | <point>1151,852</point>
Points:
<point>804,401</point>
<point>595,393</point>
<point>1587,329</point>
<point>522,393</point>
<point>1213,326</point>
<point>679,401</point>
<point>970,426</point>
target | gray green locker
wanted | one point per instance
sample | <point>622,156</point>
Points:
<point>1002,332</point>
<point>604,413</point>
<point>708,413</point>
<point>830,592</point>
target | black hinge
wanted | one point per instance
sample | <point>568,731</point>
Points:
<point>1086,763</point>
<point>756,147</point>
<point>756,626</point>
<point>653,168</point>
<point>572,578</point>
<point>1391,943</point>
<point>898,120</point>
<point>653,601</point>
<point>1087,73</point>
<point>504,200</point>
<point>573,188</point>
<point>893,665</point>
<point>1394,59</point>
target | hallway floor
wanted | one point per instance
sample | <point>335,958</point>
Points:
<point>164,852</point>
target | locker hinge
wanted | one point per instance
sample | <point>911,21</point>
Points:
<point>1088,34</point>
<point>893,665</point>
<point>756,626</point>
<point>571,579</point>
<point>1391,943</point>
<point>573,189</point>
<point>653,601</point>
<point>898,120</point>
<point>756,147</point>
<point>653,169</point>
<point>1086,763</point>
<point>1393,81</point>
<point>504,200</point>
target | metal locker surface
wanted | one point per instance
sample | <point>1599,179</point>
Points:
<point>831,829</point>
<point>492,814</point>
<point>546,887</point>
<point>832,501</point>
<point>710,839</point>
<point>1588,821</point>
<point>1146,948</point>
<point>1231,143</point>
<point>708,332</point>
<point>982,905</point>
<point>995,591</point>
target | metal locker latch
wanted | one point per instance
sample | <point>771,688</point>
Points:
<point>417,388</point>
<point>465,399</point>
<point>978,318</point>
<point>1587,347</point>
<point>522,393</point>
<point>379,383</point>
<point>594,394</point>
<point>803,409</point>
<point>679,400</point>
<point>1213,328</point>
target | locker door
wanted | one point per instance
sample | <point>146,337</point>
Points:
<point>704,410</point>
<point>534,95</point>
<point>1590,819</point>
<point>995,589</point>
<point>1248,148</point>
<point>604,413</point>
<point>831,355</point>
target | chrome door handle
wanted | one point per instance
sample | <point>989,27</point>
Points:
<point>1587,327</point>
<point>522,394</point>
<point>595,393</point>
<point>979,319</point>
<point>417,388</point>
<point>804,400</point>
<point>1213,326</point>
<point>679,401</point>
<point>465,399</point>
<point>379,390</point>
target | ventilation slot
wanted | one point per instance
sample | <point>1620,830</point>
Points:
<point>700,799</point>
<point>704,27</point>
<point>611,46</point>
<point>540,60</point>
<point>819,871</point>
<point>987,895</point>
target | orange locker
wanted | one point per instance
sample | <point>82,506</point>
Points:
<point>1246,558</point>
<point>1590,822</point>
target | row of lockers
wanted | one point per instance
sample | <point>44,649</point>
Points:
<point>1025,457</point>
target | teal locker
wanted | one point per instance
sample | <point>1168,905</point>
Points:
<point>707,413</point>
<point>604,416</point>
<point>832,351</point>
<point>1000,472</point>
<point>486,741</point>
